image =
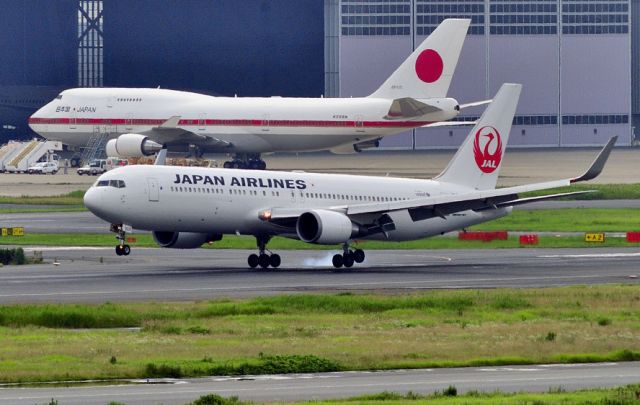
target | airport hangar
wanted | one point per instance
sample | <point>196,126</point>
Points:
<point>573,57</point>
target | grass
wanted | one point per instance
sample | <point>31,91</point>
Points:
<point>278,243</point>
<point>319,332</point>
<point>603,192</point>
<point>626,395</point>
<point>72,198</point>
<point>70,208</point>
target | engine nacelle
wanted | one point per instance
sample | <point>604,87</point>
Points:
<point>132,145</point>
<point>183,240</point>
<point>373,143</point>
<point>325,227</point>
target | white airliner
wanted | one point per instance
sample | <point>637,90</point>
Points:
<point>186,207</point>
<point>141,121</point>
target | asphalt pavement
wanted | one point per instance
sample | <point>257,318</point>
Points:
<point>296,387</point>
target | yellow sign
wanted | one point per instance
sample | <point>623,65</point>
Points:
<point>594,237</point>
<point>17,231</point>
<point>13,231</point>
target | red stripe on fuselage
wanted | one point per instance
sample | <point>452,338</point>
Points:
<point>229,123</point>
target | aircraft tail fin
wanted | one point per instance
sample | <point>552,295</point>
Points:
<point>427,72</point>
<point>477,163</point>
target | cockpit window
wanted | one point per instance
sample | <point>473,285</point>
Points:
<point>116,183</point>
<point>111,183</point>
<point>59,97</point>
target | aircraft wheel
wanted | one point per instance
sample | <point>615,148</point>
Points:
<point>252,260</point>
<point>264,261</point>
<point>119,250</point>
<point>261,165</point>
<point>337,261</point>
<point>126,249</point>
<point>358,255</point>
<point>275,260</point>
<point>227,165</point>
<point>348,260</point>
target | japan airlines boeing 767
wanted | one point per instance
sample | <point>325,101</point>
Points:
<point>142,121</point>
<point>186,207</point>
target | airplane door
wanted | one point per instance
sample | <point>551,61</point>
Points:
<point>359,123</point>
<point>128,122</point>
<point>202,118</point>
<point>72,120</point>
<point>110,101</point>
<point>154,192</point>
<point>265,123</point>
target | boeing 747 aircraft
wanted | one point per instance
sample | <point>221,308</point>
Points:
<point>142,121</point>
<point>186,207</point>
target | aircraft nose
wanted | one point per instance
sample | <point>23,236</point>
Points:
<point>92,200</point>
<point>35,118</point>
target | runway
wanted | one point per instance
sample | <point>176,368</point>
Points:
<point>85,222</point>
<point>97,275</point>
<point>340,385</point>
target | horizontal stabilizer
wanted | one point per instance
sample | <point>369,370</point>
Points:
<point>450,124</point>
<point>475,104</point>
<point>407,107</point>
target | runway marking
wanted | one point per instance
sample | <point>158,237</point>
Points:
<point>441,284</point>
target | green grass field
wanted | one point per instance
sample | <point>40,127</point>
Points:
<point>73,198</point>
<point>304,333</point>
<point>626,395</point>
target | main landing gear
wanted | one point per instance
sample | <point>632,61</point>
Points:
<point>245,161</point>
<point>262,259</point>
<point>348,258</point>
<point>122,249</point>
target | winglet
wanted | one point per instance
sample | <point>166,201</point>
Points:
<point>598,164</point>
<point>161,159</point>
<point>171,122</point>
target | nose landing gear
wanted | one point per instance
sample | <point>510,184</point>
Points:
<point>348,258</point>
<point>263,259</point>
<point>122,249</point>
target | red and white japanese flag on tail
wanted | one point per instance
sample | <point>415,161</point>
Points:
<point>427,72</point>
<point>477,162</point>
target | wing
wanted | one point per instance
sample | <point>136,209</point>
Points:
<point>374,218</point>
<point>169,133</point>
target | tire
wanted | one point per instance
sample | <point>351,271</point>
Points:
<point>126,250</point>
<point>348,260</point>
<point>337,261</point>
<point>252,260</point>
<point>358,255</point>
<point>263,261</point>
<point>262,165</point>
<point>275,260</point>
<point>226,165</point>
<point>118,250</point>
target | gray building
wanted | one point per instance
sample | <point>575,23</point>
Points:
<point>573,57</point>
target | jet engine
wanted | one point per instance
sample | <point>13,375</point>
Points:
<point>325,227</point>
<point>373,143</point>
<point>132,145</point>
<point>183,240</point>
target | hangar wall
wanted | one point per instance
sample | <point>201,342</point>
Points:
<point>572,57</point>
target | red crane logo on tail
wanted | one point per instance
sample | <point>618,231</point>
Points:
<point>488,157</point>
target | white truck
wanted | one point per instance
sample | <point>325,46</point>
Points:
<point>94,168</point>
